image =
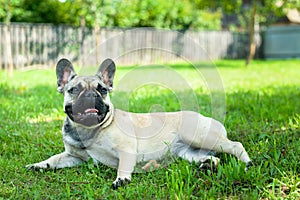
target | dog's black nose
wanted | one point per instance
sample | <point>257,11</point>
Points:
<point>91,94</point>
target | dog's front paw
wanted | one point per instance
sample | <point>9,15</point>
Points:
<point>120,181</point>
<point>248,165</point>
<point>37,166</point>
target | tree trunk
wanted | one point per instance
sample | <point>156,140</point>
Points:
<point>252,45</point>
<point>98,42</point>
<point>8,42</point>
<point>81,59</point>
<point>97,29</point>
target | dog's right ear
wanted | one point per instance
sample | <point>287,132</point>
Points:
<point>64,73</point>
<point>106,72</point>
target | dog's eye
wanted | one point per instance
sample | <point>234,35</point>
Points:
<point>73,90</point>
<point>103,91</point>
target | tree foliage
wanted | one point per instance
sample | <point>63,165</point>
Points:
<point>171,14</point>
<point>179,15</point>
<point>9,9</point>
<point>268,11</point>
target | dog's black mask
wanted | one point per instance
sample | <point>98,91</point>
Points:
<point>89,109</point>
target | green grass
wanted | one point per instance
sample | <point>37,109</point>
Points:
<point>262,111</point>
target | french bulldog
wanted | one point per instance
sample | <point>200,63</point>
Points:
<point>93,128</point>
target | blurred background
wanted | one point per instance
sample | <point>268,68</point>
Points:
<point>36,33</point>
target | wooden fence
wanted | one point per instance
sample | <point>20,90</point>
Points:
<point>44,44</point>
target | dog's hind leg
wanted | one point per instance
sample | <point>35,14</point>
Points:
<point>192,154</point>
<point>234,148</point>
<point>224,145</point>
<point>207,133</point>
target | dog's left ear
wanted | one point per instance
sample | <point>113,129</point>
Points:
<point>64,73</point>
<point>106,72</point>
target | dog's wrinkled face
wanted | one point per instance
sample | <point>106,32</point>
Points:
<point>86,98</point>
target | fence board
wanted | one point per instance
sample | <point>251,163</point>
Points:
<point>44,44</point>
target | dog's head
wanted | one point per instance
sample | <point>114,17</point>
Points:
<point>86,98</point>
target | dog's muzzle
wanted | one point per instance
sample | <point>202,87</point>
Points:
<point>88,110</point>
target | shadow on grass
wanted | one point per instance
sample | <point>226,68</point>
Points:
<point>269,105</point>
<point>22,103</point>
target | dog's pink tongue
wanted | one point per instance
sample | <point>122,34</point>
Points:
<point>91,110</point>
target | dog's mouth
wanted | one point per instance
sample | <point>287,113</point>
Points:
<point>90,113</point>
<point>88,116</point>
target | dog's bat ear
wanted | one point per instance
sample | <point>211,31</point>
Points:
<point>64,73</point>
<point>106,72</point>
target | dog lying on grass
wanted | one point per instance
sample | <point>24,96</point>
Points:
<point>94,129</point>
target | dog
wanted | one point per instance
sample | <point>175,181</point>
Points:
<point>93,128</point>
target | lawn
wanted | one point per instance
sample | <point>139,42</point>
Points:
<point>259,105</point>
